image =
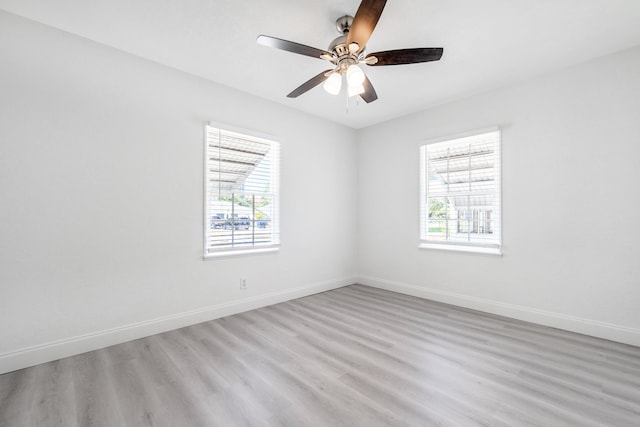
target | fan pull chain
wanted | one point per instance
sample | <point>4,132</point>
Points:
<point>346,107</point>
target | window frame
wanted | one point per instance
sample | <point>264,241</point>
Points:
<point>260,248</point>
<point>472,247</point>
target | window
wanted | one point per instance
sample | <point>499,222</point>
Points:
<point>460,193</point>
<point>241,193</point>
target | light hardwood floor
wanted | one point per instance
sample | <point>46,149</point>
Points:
<point>355,356</point>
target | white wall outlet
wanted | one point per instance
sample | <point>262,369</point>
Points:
<point>243,283</point>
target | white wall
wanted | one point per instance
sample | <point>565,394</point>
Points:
<point>101,198</point>
<point>571,203</point>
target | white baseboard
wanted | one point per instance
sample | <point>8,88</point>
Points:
<point>622,334</point>
<point>47,352</point>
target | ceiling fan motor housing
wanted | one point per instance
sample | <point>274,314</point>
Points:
<point>344,56</point>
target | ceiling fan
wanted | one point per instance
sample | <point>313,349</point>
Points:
<point>348,50</point>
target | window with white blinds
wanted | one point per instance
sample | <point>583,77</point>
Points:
<point>241,193</point>
<point>460,192</point>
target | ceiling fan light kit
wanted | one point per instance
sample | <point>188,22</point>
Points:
<point>348,50</point>
<point>355,79</point>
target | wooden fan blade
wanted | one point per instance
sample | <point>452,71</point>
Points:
<point>291,46</point>
<point>365,21</point>
<point>310,84</point>
<point>369,94</point>
<point>407,56</point>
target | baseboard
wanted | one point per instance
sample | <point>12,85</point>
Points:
<point>47,352</point>
<point>590,327</point>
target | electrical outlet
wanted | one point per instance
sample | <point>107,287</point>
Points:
<point>243,283</point>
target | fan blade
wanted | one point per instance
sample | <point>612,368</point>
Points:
<point>310,84</point>
<point>369,94</point>
<point>364,22</point>
<point>406,56</point>
<point>291,46</point>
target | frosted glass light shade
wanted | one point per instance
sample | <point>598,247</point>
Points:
<point>355,76</point>
<point>333,84</point>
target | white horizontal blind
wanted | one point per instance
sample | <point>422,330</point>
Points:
<point>461,191</point>
<point>241,200</point>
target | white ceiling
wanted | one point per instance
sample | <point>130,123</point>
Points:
<point>486,43</point>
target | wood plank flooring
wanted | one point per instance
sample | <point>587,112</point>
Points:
<point>354,356</point>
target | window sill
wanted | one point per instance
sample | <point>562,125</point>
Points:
<point>461,248</point>
<point>240,252</point>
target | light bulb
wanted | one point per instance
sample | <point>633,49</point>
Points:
<point>355,76</point>
<point>333,83</point>
<point>356,90</point>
